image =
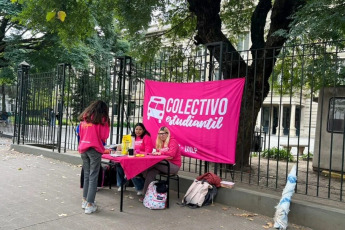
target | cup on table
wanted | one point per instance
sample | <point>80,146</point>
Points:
<point>130,152</point>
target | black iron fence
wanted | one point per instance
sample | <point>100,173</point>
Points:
<point>293,109</point>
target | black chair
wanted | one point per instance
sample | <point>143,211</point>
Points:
<point>173,177</point>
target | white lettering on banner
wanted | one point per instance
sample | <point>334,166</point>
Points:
<point>168,107</point>
<point>212,106</point>
<point>189,149</point>
<point>224,104</point>
<point>186,108</point>
<point>211,123</point>
<point>194,111</point>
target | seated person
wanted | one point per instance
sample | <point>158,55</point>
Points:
<point>143,143</point>
<point>165,145</point>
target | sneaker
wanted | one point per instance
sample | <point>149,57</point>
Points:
<point>140,193</point>
<point>119,189</point>
<point>83,204</point>
<point>90,209</point>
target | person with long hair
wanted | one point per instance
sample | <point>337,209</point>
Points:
<point>143,143</point>
<point>93,133</point>
<point>167,145</point>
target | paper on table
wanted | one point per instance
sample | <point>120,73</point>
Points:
<point>227,184</point>
<point>113,146</point>
<point>117,154</point>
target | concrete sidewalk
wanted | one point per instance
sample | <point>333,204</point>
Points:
<point>42,193</point>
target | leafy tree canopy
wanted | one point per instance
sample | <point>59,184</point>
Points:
<point>320,20</point>
<point>27,34</point>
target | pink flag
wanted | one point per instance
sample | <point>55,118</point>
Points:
<point>202,116</point>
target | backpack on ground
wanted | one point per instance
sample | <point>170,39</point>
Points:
<point>154,199</point>
<point>100,182</point>
<point>200,193</point>
<point>109,174</point>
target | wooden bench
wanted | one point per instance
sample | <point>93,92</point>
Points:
<point>300,147</point>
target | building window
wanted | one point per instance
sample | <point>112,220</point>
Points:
<point>243,43</point>
<point>336,115</point>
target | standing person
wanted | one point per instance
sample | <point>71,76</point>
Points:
<point>143,143</point>
<point>52,118</point>
<point>93,132</point>
<point>165,145</point>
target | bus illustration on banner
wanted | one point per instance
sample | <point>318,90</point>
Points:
<point>156,108</point>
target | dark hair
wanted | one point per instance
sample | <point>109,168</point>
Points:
<point>143,127</point>
<point>97,113</point>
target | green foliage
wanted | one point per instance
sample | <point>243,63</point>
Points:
<point>279,154</point>
<point>236,17</point>
<point>308,67</point>
<point>79,23</point>
<point>307,156</point>
<point>320,19</point>
<point>135,15</point>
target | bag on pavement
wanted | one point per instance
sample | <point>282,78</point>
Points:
<point>100,182</point>
<point>154,199</point>
<point>200,193</point>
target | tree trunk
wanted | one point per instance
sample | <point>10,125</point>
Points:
<point>263,52</point>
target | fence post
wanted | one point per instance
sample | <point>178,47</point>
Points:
<point>61,70</point>
<point>19,119</point>
<point>122,69</point>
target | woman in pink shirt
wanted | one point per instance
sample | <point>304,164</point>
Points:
<point>143,143</point>
<point>93,132</point>
<point>165,145</point>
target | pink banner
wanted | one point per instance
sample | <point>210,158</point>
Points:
<point>202,116</point>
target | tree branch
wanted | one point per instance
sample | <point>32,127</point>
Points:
<point>210,31</point>
<point>258,22</point>
<point>3,26</point>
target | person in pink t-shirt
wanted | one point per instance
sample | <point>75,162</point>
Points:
<point>93,133</point>
<point>143,143</point>
<point>165,145</point>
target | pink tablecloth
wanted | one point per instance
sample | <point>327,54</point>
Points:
<point>132,166</point>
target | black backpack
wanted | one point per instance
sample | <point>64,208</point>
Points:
<point>110,175</point>
<point>100,177</point>
<point>212,192</point>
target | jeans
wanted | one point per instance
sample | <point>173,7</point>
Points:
<point>120,176</point>
<point>91,163</point>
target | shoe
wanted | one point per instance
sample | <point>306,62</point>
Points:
<point>140,193</point>
<point>90,209</point>
<point>83,204</point>
<point>119,189</point>
<point>141,199</point>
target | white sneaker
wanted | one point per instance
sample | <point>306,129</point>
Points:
<point>119,189</point>
<point>83,204</point>
<point>90,209</point>
<point>139,193</point>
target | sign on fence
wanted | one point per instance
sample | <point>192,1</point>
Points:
<point>202,116</point>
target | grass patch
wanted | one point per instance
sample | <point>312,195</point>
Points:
<point>280,154</point>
